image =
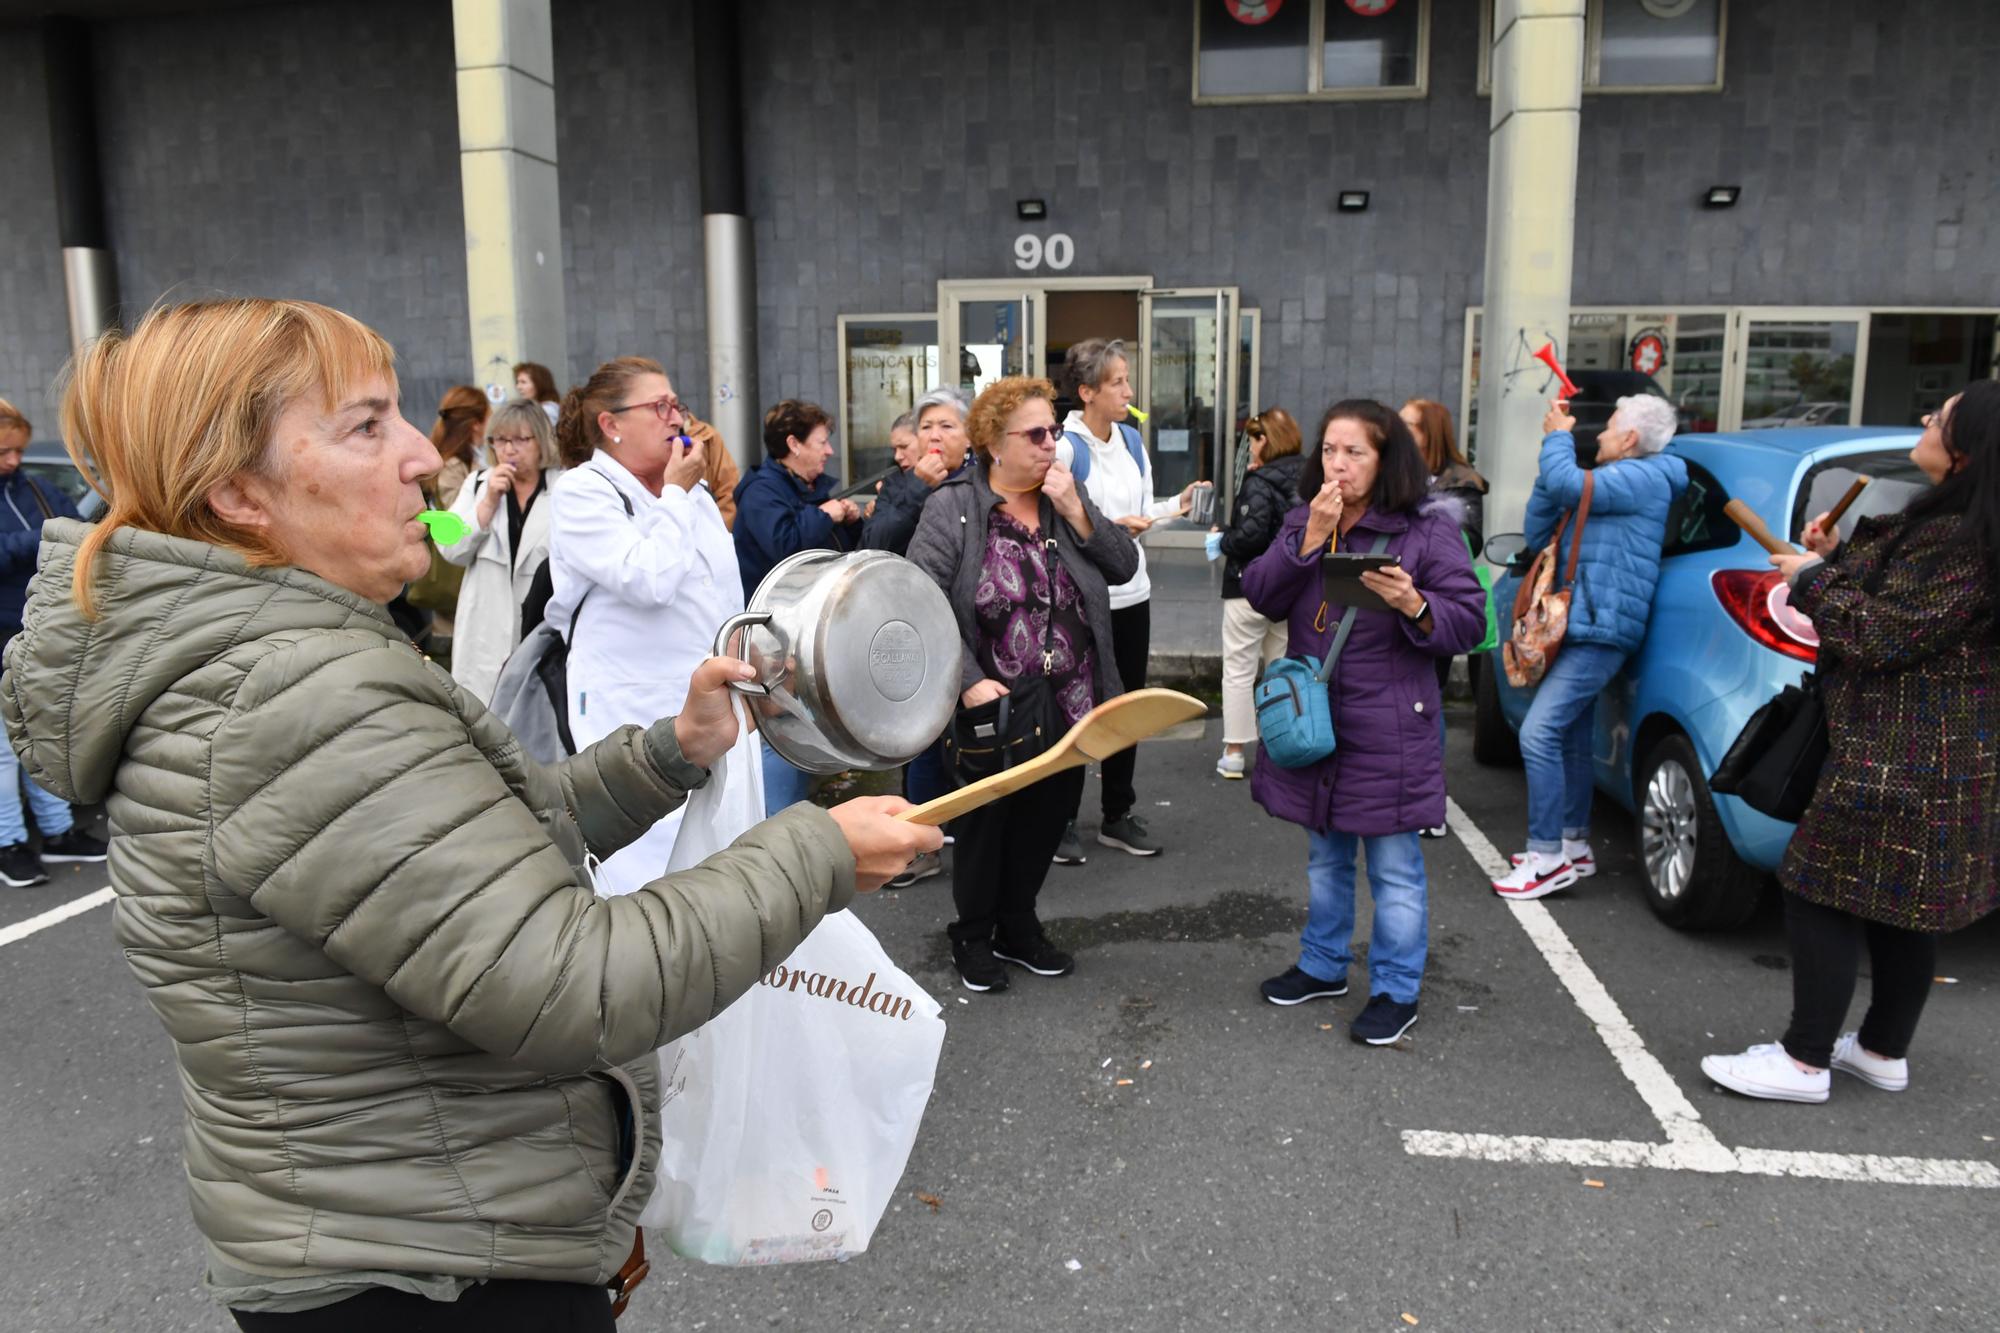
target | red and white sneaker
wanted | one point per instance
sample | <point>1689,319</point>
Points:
<point>1536,875</point>
<point>1578,853</point>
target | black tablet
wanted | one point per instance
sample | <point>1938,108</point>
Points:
<point>1340,578</point>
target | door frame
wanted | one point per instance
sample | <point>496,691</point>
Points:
<point>840,326</point>
<point>1228,342</point>
<point>1031,288</point>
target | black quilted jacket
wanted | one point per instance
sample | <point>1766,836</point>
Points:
<point>1266,496</point>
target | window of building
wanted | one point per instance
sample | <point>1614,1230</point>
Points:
<point>887,363</point>
<point>1639,46</point>
<point>1291,50</point>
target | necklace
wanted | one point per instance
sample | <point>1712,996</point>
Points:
<point>1009,490</point>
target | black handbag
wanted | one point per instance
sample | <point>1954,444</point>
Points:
<point>1775,763</point>
<point>552,668</point>
<point>1017,726</point>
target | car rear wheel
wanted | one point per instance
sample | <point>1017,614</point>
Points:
<point>1493,741</point>
<point>1694,879</point>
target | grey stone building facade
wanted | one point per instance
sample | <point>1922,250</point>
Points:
<point>310,150</point>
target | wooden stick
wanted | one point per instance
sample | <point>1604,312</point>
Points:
<point>1835,514</point>
<point>1117,724</point>
<point>1746,519</point>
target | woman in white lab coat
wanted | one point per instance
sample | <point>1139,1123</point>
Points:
<point>506,511</point>
<point>644,574</point>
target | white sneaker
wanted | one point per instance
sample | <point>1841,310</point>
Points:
<point>1888,1075</point>
<point>1767,1072</point>
<point>1578,855</point>
<point>1535,875</point>
<point>1230,765</point>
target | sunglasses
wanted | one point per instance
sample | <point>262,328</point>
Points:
<point>1039,435</point>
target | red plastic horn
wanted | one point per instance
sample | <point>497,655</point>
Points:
<point>1547,356</point>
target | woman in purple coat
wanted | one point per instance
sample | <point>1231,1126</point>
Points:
<point>1385,781</point>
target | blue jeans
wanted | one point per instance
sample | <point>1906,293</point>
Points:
<point>1396,883</point>
<point>784,786</point>
<point>926,778</point>
<point>52,813</point>
<point>1555,744</point>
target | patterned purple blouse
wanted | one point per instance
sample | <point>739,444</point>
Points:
<point>1013,609</point>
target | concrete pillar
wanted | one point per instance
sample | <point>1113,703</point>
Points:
<point>90,277</point>
<point>507,163</point>
<point>1530,237</point>
<point>730,263</point>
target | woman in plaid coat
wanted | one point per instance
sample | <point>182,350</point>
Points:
<point>1899,843</point>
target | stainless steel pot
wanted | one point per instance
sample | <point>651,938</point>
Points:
<point>857,659</point>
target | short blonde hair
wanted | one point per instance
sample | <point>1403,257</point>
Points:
<point>160,417</point>
<point>987,421</point>
<point>515,416</point>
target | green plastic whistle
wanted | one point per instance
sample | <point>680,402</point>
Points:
<point>447,528</point>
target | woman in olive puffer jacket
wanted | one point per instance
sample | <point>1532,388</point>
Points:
<point>1249,640</point>
<point>416,1050</point>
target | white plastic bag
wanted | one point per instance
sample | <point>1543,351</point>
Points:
<point>787,1121</point>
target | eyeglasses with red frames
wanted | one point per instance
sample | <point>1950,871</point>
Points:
<point>1039,435</point>
<point>663,408</point>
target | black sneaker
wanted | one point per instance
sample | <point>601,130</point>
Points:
<point>977,967</point>
<point>1296,985</point>
<point>1069,852</point>
<point>1383,1021</point>
<point>21,867</point>
<point>1128,834</point>
<point>1037,955</point>
<point>75,845</point>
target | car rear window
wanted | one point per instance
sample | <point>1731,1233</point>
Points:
<point>1895,480</point>
<point>1696,521</point>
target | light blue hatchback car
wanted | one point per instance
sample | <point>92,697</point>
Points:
<point>1722,641</point>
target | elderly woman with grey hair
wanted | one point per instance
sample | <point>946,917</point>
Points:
<point>1633,485</point>
<point>506,541</point>
<point>939,419</point>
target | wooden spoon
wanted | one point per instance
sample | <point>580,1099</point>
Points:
<point>1115,725</point>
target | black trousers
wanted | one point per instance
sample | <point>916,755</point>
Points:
<point>503,1306</point>
<point>1131,645</point>
<point>1826,959</point>
<point>1001,855</point>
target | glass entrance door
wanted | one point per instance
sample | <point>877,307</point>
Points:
<point>1799,367</point>
<point>990,330</point>
<point>1187,385</point>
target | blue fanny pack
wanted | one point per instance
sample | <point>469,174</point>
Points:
<point>1294,704</point>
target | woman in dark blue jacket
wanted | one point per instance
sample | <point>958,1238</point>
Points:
<point>784,506</point>
<point>1633,485</point>
<point>24,507</point>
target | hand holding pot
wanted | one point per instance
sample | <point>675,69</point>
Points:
<point>883,845</point>
<point>706,724</point>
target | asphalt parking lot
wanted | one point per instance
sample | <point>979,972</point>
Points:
<point>1540,1152</point>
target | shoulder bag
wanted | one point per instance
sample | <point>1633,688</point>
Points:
<point>1541,607</point>
<point>1294,700</point>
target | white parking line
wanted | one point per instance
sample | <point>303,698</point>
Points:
<point>1690,1145</point>
<point>55,916</point>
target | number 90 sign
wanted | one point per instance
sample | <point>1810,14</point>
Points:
<point>1032,252</point>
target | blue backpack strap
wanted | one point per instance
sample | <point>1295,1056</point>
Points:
<point>1079,455</point>
<point>1135,445</point>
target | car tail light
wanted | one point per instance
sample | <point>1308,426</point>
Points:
<point>1760,603</point>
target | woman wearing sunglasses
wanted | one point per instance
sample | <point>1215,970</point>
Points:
<point>643,570</point>
<point>507,539</point>
<point>1027,562</point>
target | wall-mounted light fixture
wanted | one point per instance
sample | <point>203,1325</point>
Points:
<point>1030,210</point>
<point>1353,201</point>
<point>1721,196</point>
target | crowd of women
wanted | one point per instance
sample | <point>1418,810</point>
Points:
<point>389,1096</point>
